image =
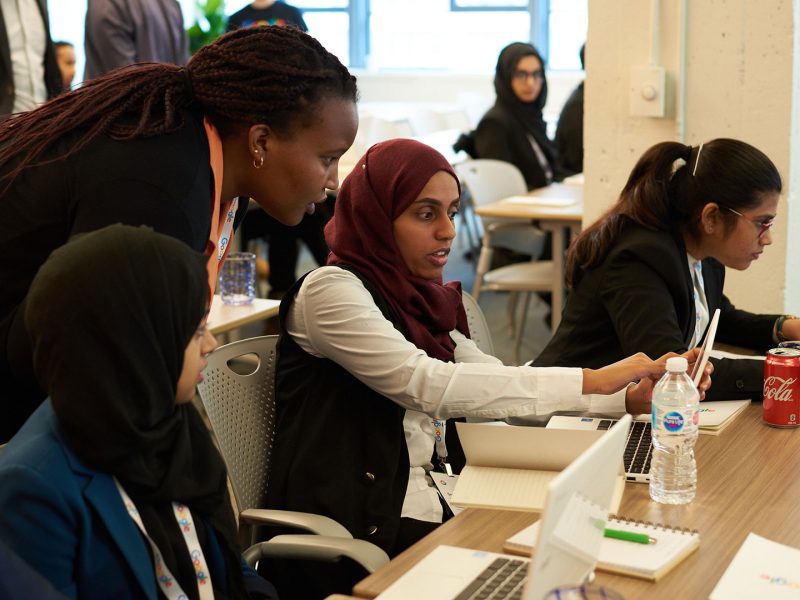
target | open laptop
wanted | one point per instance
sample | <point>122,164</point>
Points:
<point>638,448</point>
<point>566,550</point>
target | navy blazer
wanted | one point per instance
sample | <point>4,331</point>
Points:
<point>640,299</point>
<point>69,523</point>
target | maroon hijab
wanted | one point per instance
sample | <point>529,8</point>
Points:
<point>386,181</point>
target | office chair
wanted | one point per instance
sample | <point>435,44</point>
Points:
<point>489,181</point>
<point>478,328</point>
<point>241,409</point>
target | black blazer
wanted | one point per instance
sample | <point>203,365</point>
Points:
<point>640,300</point>
<point>501,137</point>
<point>52,74</point>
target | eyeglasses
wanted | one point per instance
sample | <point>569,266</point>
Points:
<point>537,75</point>
<point>763,225</point>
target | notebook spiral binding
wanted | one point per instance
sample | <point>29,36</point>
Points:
<point>654,526</point>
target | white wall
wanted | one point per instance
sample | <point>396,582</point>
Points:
<point>741,81</point>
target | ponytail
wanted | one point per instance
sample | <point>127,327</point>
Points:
<point>660,197</point>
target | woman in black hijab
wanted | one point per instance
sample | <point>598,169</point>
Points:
<point>124,492</point>
<point>514,130</point>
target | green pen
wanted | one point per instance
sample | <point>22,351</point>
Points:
<point>629,536</point>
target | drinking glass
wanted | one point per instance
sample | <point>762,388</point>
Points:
<point>237,280</point>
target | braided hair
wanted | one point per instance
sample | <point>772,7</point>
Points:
<point>271,75</point>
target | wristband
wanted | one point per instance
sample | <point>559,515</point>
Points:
<point>779,327</point>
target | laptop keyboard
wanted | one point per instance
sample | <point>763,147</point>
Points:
<point>638,448</point>
<point>504,578</point>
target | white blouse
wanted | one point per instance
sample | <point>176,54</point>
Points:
<point>335,317</point>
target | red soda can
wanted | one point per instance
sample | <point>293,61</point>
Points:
<point>782,387</point>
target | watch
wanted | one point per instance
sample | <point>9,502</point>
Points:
<point>779,327</point>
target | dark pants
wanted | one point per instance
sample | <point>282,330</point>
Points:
<point>282,243</point>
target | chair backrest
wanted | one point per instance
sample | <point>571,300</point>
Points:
<point>490,180</point>
<point>241,409</point>
<point>478,328</point>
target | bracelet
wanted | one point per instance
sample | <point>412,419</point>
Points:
<point>779,327</point>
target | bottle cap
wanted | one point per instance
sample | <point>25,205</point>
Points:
<point>676,364</point>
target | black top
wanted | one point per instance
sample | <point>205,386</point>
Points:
<point>164,182</point>
<point>569,134</point>
<point>279,13</point>
<point>500,136</point>
<point>640,299</point>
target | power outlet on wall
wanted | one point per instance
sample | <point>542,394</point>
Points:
<point>647,91</point>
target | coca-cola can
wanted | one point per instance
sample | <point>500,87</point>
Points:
<point>782,387</point>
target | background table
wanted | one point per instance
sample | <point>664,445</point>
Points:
<point>222,317</point>
<point>747,481</point>
<point>556,219</point>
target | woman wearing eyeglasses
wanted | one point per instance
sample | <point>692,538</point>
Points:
<point>514,129</point>
<point>649,273</point>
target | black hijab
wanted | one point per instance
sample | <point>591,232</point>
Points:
<point>529,114</point>
<point>110,314</point>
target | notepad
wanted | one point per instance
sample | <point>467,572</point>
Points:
<point>645,561</point>
<point>717,415</point>
<point>509,468</point>
<point>540,201</point>
<point>761,569</point>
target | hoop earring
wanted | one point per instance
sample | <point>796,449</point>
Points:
<point>259,162</point>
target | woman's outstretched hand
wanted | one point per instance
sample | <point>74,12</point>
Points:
<point>647,372</point>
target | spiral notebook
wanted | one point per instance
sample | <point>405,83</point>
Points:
<point>645,561</point>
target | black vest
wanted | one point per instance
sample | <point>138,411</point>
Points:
<point>339,449</point>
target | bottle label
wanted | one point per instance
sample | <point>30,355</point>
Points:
<point>673,421</point>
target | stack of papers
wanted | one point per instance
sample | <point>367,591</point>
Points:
<point>716,416</point>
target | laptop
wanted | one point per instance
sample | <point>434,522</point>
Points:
<point>638,447</point>
<point>566,550</point>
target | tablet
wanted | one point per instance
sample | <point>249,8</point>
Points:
<point>708,343</point>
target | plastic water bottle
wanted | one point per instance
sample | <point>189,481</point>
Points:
<point>676,410</point>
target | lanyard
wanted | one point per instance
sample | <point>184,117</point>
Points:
<point>439,427</point>
<point>168,584</point>
<point>227,228</point>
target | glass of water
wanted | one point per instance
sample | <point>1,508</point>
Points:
<point>237,280</point>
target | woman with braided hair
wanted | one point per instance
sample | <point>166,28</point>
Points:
<point>649,274</point>
<point>262,112</point>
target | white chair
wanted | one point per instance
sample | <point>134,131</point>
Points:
<point>488,181</point>
<point>241,409</point>
<point>478,327</point>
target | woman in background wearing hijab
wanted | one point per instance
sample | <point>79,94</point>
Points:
<point>375,354</point>
<point>514,130</point>
<point>113,487</point>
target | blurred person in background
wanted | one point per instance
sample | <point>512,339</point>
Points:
<point>124,32</point>
<point>29,73</point>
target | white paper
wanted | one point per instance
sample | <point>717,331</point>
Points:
<point>761,569</point>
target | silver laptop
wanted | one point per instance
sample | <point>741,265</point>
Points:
<point>638,446</point>
<point>566,550</point>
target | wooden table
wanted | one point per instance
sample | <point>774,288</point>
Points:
<point>747,481</point>
<point>556,219</point>
<point>225,317</point>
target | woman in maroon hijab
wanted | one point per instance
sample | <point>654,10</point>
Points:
<point>375,354</point>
